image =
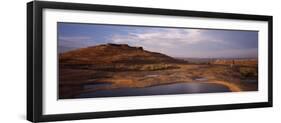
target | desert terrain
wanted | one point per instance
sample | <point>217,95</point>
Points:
<point>115,66</point>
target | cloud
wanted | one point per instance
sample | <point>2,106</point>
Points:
<point>165,40</point>
<point>74,38</point>
<point>75,41</point>
<point>165,37</point>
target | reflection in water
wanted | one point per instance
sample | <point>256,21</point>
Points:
<point>177,88</point>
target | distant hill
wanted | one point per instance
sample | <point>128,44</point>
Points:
<point>247,62</point>
<point>113,54</point>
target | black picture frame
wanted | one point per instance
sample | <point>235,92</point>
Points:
<point>35,69</point>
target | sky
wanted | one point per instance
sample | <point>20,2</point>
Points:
<point>175,42</point>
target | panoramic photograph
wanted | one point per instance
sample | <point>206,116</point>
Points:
<point>106,60</point>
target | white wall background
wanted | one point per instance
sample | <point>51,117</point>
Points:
<point>13,61</point>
